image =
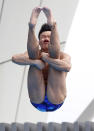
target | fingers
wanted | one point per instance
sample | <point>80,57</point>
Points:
<point>46,9</point>
<point>48,13</point>
<point>34,16</point>
<point>38,9</point>
<point>43,54</point>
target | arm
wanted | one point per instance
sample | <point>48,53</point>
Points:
<point>63,64</point>
<point>54,46</point>
<point>32,43</point>
<point>23,59</point>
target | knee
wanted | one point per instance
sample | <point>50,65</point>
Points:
<point>36,97</point>
<point>36,100</point>
<point>56,99</point>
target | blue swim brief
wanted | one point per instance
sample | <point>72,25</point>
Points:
<point>46,105</point>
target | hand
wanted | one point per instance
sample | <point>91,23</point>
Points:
<point>48,14</point>
<point>35,13</point>
<point>44,55</point>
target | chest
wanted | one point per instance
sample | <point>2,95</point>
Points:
<point>45,71</point>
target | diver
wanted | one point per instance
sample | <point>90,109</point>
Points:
<point>48,65</point>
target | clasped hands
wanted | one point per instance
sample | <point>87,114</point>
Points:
<point>44,56</point>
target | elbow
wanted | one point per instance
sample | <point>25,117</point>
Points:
<point>13,59</point>
<point>69,68</point>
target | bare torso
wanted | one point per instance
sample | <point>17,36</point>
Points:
<point>45,73</point>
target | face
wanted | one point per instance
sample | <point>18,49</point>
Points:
<point>45,40</point>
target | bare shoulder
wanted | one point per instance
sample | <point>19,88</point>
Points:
<point>64,55</point>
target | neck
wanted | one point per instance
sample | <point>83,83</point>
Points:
<point>44,50</point>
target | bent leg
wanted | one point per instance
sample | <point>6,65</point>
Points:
<point>56,89</point>
<point>36,87</point>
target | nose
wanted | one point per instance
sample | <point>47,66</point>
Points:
<point>47,38</point>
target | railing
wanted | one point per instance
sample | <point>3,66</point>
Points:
<point>65,126</point>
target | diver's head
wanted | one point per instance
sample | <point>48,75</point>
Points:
<point>44,36</point>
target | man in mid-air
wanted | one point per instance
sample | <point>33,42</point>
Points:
<point>48,65</point>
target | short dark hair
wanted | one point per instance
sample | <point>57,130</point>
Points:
<point>44,27</point>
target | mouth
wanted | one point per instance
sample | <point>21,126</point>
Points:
<point>46,41</point>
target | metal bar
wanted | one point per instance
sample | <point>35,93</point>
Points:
<point>40,4</point>
<point>4,62</point>
<point>78,126</point>
<point>1,11</point>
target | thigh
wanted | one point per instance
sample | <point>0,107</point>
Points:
<point>36,87</point>
<point>56,88</point>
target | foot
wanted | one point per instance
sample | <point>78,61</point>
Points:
<point>35,13</point>
<point>48,14</point>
